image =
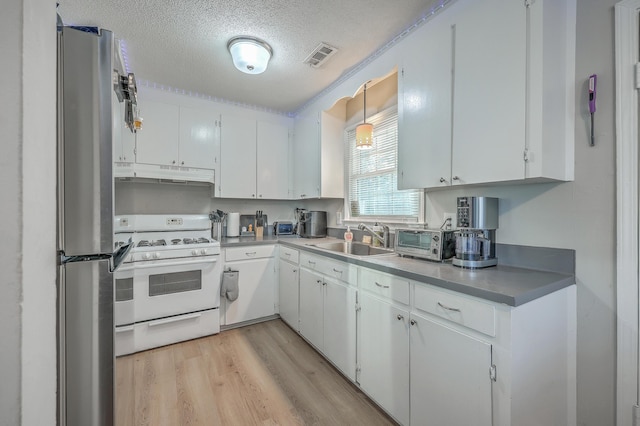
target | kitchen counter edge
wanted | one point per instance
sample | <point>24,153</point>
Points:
<point>501,284</point>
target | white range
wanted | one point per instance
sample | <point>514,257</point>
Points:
<point>168,288</point>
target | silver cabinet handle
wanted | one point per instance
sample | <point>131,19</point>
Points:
<point>400,317</point>
<point>311,263</point>
<point>449,308</point>
<point>295,270</point>
<point>182,163</point>
<point>319,281</point>
<point>381,286</point>
<point>456,178</point>
<point>173,162</point>
<point>336,270</point>
<point>287,254</point>
<point>251,253</point>
<point>442,180</point>
<point>413,322</point>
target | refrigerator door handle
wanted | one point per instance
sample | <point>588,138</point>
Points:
<point>64,259</point>
<point>120,255</point>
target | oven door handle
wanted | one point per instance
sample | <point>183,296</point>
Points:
<point>183,262</point>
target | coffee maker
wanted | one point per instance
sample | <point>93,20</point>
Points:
<point>476,234</point>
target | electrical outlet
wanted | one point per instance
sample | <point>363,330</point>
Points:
<point>451,219</point>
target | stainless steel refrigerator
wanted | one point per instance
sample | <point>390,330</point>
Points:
<point>86,89</point>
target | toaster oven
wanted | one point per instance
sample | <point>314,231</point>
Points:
<point>430,244</point>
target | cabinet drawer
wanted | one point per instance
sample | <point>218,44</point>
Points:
<point>339,270</point>
<point>386,285</point>
<point>249,252</point>
<point>310,261</point>
<point>329,267</point>
<point>459,309</point>
<point>289,254</point>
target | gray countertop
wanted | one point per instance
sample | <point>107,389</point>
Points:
<point>502,284</point>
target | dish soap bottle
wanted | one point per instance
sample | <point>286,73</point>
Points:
<point>348,236</point>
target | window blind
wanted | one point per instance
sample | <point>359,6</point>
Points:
<point>373,177</point>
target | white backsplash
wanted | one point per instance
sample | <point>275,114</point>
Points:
<point>168,198</point>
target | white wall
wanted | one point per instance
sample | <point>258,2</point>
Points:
<point>579,215</point>
<point>27,185</point>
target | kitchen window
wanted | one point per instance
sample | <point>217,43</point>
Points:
<point>372,176</point>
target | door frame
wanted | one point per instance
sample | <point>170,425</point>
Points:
<point>626,56</point>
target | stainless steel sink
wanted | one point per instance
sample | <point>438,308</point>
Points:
<point>356,249</point>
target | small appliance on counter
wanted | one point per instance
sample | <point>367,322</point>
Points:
<point>312,224</point>
<point>282,228</point>
<point>429,244</point>
<point>476,236</point>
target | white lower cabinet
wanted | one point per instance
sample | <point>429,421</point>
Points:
<point>432,356</point>
<point>311,307</point>
<point>256,266</point>
<point>328,312</point>
<point>289,293</point>
<point>450,376</point>
<point>383,352</point>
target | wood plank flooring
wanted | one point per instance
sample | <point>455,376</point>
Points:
<point>263,374</point>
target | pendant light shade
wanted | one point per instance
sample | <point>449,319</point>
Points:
<point>250,55</point>
<point>364,131</point>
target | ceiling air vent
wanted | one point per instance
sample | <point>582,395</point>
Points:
<point>320,54</point>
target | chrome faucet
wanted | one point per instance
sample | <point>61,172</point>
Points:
<point>385,233</point>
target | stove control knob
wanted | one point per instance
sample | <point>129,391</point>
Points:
<point>146,256</point>
<point>203,251</point>
<point>194,252</point>
<point>156,255</point>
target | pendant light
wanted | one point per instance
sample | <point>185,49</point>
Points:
<point>250,55</point>
<point>364,131</point>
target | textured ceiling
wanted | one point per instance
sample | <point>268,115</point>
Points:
<point>183,44</point>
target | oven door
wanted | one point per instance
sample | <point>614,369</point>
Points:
<point>164,288</point>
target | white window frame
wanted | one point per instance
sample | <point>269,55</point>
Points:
<point>393,221</point>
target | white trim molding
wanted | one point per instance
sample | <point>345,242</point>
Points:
<point>626,49</point>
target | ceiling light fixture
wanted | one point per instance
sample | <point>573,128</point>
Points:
<point>250,55</point>
<point>364,131</point>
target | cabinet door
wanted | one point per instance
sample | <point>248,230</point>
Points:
<point>306,154</point>
<point>384,355</point>
<point>289,294</point>
<point>340,326</point>
<point>450,383</point>
<point>157,141</point>
<point>256,284</point>
<point>272,161</point>
<point>238,157</point>
<point>424,128</point>
<point>311,309</point>
<point>489,92</point>
<point>199,138</point>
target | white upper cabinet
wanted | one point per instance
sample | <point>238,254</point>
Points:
<point>424,109</point>
<point>488,97</point>
<point>157,141</point>
<point>174,135</point>
<point>255,159</point>
<point>318,153</point>
<point>306,158</point>
<point>272,161</point>
<point>238,155</point>
<point>199,138</point>
<point>489,91</point>
<point>124,142</point>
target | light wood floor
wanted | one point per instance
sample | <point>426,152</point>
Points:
<point>263,374</point>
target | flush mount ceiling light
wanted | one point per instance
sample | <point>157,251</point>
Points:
<point>250,55</point>
<point>364,131</point>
